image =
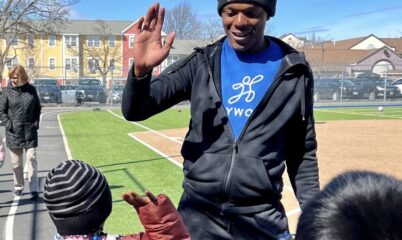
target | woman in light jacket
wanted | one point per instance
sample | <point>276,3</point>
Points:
<point>20,111</point>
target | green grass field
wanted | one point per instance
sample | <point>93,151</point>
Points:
<point>101,139</point>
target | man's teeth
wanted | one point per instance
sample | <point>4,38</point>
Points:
<point>241,34</point>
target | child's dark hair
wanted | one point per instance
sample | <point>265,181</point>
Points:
<point>355,205</point>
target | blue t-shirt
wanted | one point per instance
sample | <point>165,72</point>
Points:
<point>245,78</point>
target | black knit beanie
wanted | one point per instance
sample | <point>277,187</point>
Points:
<point>78,198</point>
<point>268,5</point>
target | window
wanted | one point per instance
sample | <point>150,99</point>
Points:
<point>30,40</point>
<point>71,64</point>
<point>130,62</point>
<point>112,64</point>
<point>93,41</point>
<point>93,65</point>
<point>112,41</point>
<point>31,63</point>
<point>71,41</point>
<point>171,59</point>
<point>52,64</point>
<point>74,64</point>
<point>68,64</point>
<point>11,61</point>
<point>52,40</point>
<point>370,46</point>
<point>131,42</point>
<point>12,40</point>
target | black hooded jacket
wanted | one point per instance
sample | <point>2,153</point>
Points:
<point>20,112</point>
<point>243,176</point>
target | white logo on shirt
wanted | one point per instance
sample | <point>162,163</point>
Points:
<point>239,112</point>
<point>246,89</point>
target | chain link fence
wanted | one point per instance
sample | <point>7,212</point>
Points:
<point>332,84</point>
<point>381,82</point>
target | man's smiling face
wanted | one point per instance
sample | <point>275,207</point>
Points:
<point>244,24</point>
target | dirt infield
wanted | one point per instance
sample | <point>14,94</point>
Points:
<point>342,145</point>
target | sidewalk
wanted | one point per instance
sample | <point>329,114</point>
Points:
<point>30,220</point>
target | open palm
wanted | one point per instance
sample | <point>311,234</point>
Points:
<point>149,51</point>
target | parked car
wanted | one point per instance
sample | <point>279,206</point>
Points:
<point>116,93</point>
<point>375,87</point>
<point>48,90</point>
<point>47,81</point>
<point>90,90</point>
<point>398,83</point>
<point>68,93</point>
<point>334,89</point>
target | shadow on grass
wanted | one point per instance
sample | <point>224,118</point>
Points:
<point>130,176</point>
<point>136,162</point>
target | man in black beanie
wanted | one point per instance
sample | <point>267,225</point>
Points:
<point>251,115</point>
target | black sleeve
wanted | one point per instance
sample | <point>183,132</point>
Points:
<point>38,108</point>
<point>147,96</point>
<point>4,109</point>
<point>302,163</point>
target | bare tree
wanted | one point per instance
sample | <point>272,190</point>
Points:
<point>182,20</point>
<point>32,54</point>
<point>270,27</point>
<point>320,45</point>
<point>22,17</point>
<point>212,29</point>
<point>103,58</point>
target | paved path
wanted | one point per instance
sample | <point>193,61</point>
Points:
<point>22,218</point>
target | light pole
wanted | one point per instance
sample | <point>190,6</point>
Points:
<point>385,82</point>
<point>111,68</point>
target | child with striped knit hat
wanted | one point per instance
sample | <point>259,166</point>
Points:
<point>79,201</point>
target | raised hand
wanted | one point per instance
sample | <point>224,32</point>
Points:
<point>137,200</point>
<point>148,49</point>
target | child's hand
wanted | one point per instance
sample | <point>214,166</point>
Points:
<point>136,200</point>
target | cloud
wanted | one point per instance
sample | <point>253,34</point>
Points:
<point>375,11</point>
<point>382,22</point>
<point>74,14</point>
<point>381,25</point>
<point>319,29</point>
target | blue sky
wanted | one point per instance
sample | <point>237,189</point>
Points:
<point>330,20</point>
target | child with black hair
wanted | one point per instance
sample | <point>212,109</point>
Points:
<point>357,205</point>
<point>79,201</point>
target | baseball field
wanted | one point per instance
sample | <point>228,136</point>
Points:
<point>146,155</point>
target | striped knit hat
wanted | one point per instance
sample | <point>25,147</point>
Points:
<point>78,198</point>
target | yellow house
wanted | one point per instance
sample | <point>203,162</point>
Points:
<point>82,48</point>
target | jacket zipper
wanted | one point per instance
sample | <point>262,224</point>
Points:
<point>231,167</point>
<point>234,146</point>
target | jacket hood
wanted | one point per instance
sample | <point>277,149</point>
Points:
<point>291,59</point>
<point>292,56</point>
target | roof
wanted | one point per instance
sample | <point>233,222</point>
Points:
<point>316,56</point>
<point>289,34</point>
<point>186,46</point>
<point>340,52</point>
<point>88,27</point>
<point>344,44</point>
<point>394,43</point>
